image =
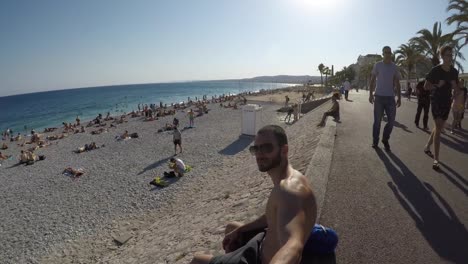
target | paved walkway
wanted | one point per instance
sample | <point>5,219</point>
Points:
<point>392,207</point>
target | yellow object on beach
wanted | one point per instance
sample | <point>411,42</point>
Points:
<point>160,182</point>
<point>188,168</point>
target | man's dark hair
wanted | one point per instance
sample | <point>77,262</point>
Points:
<point>172,160</point>
<point>386,47</point>
<point>277,131</point>
<point>444,50</point>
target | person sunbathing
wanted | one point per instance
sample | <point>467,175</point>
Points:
<point>4,157</point>
<point>73,172</point>
<point>23,157</point>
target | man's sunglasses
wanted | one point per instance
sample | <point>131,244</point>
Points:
<point>264,149</point>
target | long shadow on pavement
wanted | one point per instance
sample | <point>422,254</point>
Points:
<point>446,234</point>
<point>457,144</point>
<point>453,174</point>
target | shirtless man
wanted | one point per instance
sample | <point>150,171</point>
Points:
<point>290,214</point>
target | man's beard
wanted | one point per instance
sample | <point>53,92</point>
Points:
<point>271,165</point>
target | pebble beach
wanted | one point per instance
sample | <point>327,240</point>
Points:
<point>47,217</point>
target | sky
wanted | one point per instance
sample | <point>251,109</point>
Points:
<point>52,45</point>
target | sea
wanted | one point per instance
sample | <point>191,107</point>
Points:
<point>22,113</point>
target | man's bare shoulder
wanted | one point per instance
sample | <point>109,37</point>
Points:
<point>297,186</point>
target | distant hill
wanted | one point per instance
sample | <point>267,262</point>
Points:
<point>284,79</point>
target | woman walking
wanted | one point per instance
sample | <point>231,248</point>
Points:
<point>441,80</point>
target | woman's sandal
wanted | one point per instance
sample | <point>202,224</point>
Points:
<point>435,165</point>
<point>428,152</point>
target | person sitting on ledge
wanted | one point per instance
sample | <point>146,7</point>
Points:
<point>280,234</point>
<point>333,111</point>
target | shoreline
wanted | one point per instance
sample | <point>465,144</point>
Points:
<point>19,127</point>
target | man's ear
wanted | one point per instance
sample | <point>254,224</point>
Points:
<point>285,150</point>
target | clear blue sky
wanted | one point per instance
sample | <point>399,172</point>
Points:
<point>48,45</point>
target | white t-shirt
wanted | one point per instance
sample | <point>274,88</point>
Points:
<point>180,164</point>
<point>385,74</point>
<point>347,85</point>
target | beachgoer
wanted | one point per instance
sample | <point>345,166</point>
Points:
<point>347,88</point>
<point>279,235</point>
<point>73,172</point>
<point>178,166</point>
<point>465,100</point>
<point>177,139</point>
<point>441,80</point>
<point>458,105</point>
<point>3,156</point>
<point>124,135</point>
<point>290,112</point>
<point>191,118</point>
<point>77,121</point>
<point>424,102</point>
<point>334,111</point>
<point>387,76</point>
<point>286,100</point>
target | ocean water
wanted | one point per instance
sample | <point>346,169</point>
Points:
<point>21,113</point>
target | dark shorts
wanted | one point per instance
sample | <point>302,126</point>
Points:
<point>177,142</point>
<point>250,253</point>
<point>440,107</point>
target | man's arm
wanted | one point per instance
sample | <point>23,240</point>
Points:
<point>397,85</point>
<point>293,225</point>
<point>259,223</point>
<point>371,89</point>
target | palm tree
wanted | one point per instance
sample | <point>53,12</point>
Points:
<point>407,56</point>
<point>320,68</point>
<point>460,17</point>
<point>461,7</point>
<point>430,42</point>
<point>326,71</point>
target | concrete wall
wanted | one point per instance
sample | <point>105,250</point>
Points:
<point>309,106</point>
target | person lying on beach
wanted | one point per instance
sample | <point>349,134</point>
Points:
<point>125,135</point>
<point>280,234</point>
<point>49,129</point>
<point>88,147</point>
<point>4,146</point>
<point>99,131</point>
<point>73,172</point>
<point>178,166</point>
<point>334,111</point>
<point>4,157</point>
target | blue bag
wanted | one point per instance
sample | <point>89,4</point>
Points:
<point>322,240</point>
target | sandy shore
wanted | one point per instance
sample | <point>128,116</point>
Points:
<point>47,217</point>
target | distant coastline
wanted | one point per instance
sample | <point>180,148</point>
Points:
<point>289,79</point>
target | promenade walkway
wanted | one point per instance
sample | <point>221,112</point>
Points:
<point>393,207</point>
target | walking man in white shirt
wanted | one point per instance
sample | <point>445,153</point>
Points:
<point>385,77</point>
